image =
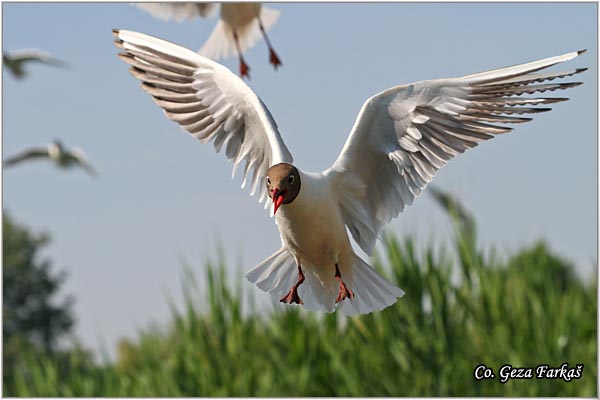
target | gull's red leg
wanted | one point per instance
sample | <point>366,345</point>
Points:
<point>292,296</point>
<point>273,59</point>
<point>344,292</point>
<point>244,68</point>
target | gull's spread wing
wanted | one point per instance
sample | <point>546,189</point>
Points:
<point>178,11</point>
<point>30,154</point>
<point>403,135</point>
<point>82,160</point>
<point>207,100</point>
<point>27,55</point>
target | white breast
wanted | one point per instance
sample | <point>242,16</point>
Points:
<point>312,226</point>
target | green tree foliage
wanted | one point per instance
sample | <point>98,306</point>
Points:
<point>32,319</point>
<point>459,311</point>
<point>30,289</point>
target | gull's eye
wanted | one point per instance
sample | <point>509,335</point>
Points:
<point>268,180</point>
<point>291,179</point>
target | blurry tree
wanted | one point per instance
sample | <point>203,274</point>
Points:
<point>557,272</point>
<point>29,288</point>
<point>32,317</point>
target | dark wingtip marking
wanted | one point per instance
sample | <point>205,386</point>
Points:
<point>115,32</point>
<point>580,52</point>
<point>119,44</point>
<point>125,57</point>
<point>578,70</point>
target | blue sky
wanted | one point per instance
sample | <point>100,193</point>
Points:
<point>162,196</point>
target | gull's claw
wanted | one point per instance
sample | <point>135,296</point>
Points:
<point>292,296</point>
<point>274,59</point>
<point>344,292</point>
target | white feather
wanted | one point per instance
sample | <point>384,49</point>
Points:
<point>222,103</point>
<point>404,134</point>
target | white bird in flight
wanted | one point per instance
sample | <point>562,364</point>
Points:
<point>401,137</point>
<point>16,60</point>
<point>240,27</point>
<point>57,153</point>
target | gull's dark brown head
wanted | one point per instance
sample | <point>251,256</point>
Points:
<point>283,184</point>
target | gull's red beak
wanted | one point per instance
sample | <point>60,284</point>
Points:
<point>278,198</point>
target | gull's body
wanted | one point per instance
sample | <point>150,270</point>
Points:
<point>15,61</point>
<point>401,137</point>
<point>240,26</point>
<point>55,152</point>
<point>313,231</point>
<point>315,207</point>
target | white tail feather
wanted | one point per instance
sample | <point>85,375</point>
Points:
<point>268,17</point>
<point>278,273</point>
<point>371,291</point>
<point>220,43</point>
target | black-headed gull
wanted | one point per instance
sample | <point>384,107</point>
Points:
<point>240,27</point>
<point>401,137</point>
<point>57,153</point>
<point>15,61</point>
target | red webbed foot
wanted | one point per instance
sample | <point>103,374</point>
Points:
<point>244,69</point>
<point>344,292</point>
<point>292,296</point>
<point>274,59</point>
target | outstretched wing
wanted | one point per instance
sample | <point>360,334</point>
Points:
<point>27,55</point>
<point>209,101</point>
<point>403,135</point>
<point>82,160</point>
<point>178,11</point>
<point>30,154</point>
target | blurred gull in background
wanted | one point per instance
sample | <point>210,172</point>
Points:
<point>57,153</point>
<point>240,27</point>
<point>15,61</point>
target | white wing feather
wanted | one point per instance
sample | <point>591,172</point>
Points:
<point>403,135</point>
<point>209,101</point>
<point>82,160</point>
